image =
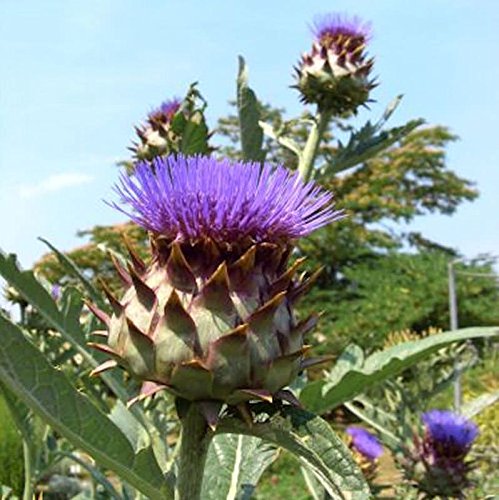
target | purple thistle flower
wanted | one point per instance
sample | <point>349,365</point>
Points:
<point>165,111</point>
<point>55,292</point>
<point>448,434</point>
<point>365,443</point>
<point>331,27</point>
<point>198,197</point>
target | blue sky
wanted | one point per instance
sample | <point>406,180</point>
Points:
<point>76,76</point>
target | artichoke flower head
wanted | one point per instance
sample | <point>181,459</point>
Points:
<point>438,465</point>
<point>156,135</point>
<point>211,317</point>
<point>335,74</point>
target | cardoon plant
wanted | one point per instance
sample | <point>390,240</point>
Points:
<point>438,465</point>
<point>210,319</point>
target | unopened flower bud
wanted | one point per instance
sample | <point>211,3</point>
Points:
<point>156,137</point>
<point>335,74</point>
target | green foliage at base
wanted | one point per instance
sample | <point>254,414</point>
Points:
<point>11,452</point>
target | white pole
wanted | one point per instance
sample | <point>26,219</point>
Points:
<point>454,326</point>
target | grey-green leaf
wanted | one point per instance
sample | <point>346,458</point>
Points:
<point>323,395</point>
<point>283,140</point>
<point>477,405</point>
<point>366,143</point>
<point>47,391</point>
<point>314,486</point>
<point>314,443</point>
<point>234,465</point>
<point>249,117</point>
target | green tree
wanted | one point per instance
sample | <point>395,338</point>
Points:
<point>398,291</point>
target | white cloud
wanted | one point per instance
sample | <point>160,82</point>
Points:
<point>54,183</point>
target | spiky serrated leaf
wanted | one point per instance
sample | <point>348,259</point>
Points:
<point>190,123</point>
<point>195,136</point>
<point>323,395</point>
<point>249,117</point>
<point>314,443</point>
<point>369,141</point>
<point>48,393</point>
<point>234,465</point>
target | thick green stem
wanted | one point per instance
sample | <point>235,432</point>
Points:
<point>195,440</point>
<point>312,145</point>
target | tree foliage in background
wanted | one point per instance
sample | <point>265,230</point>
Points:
<point>397,291</point>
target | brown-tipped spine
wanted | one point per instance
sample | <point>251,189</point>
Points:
<point>104,348</point>
<point>138,264</point>
<point>146,295</point>
<point>319,360</point>
<point>260,319</point>
<point>100,333</point>
<point>98,313</point>
<point>246,262</point>
<point>293,341</point>
<point>107,365</point>
<point>115,303</point>
<point>287,395</point>
<point>300,290</point>
<point>215,295</point>
<point>147,390</point>
<point>260,394</point>
<point>123,275</point>
<point>283,282</point>
<point>179,272</point>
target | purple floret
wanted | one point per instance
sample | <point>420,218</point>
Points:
<point>56,291</point>
<point>197,197</point>
<point>166,110</point>
<point>365,443</point>
<point>330,26</point>
<point>449,432</point>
